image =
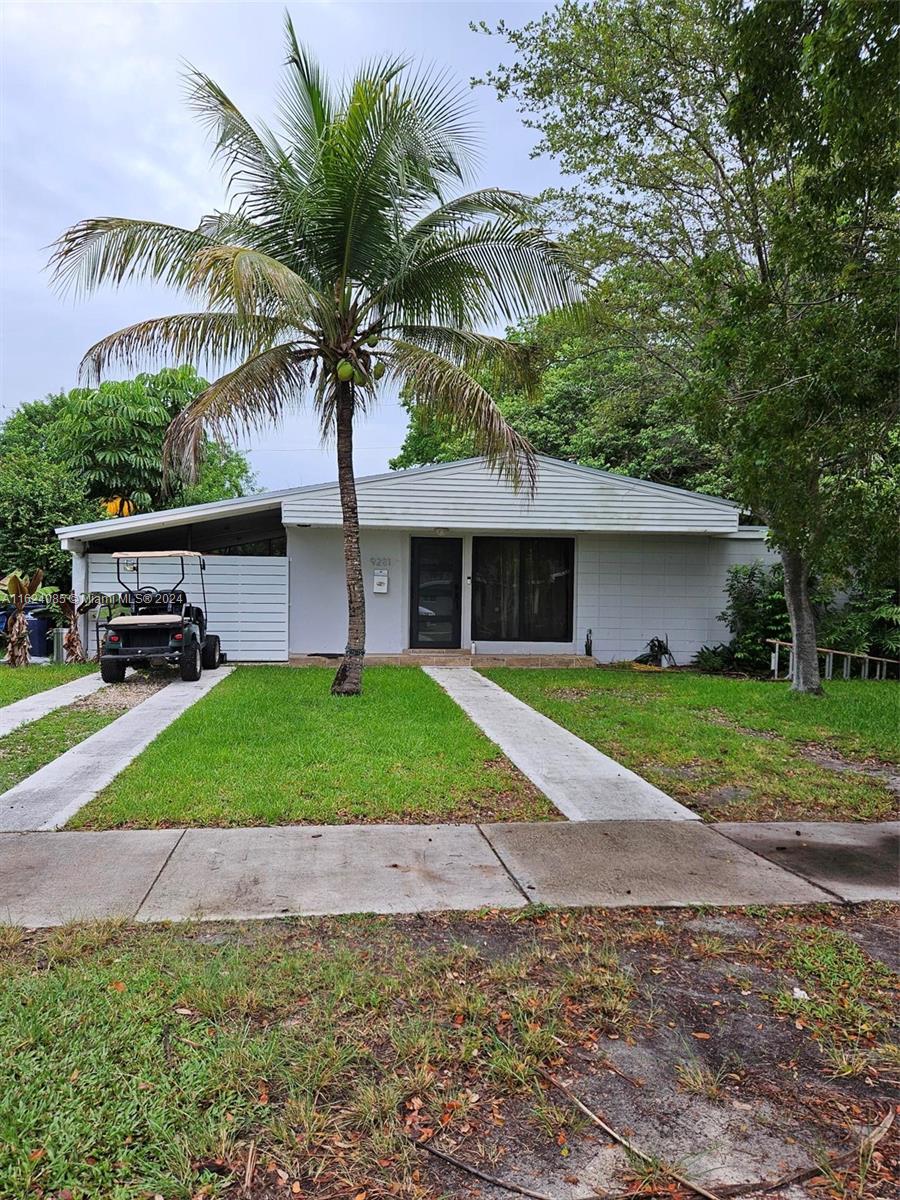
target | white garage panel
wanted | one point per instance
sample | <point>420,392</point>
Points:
<point>247,598</point>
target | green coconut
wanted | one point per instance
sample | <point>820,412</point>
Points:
<point>358,377</point>
<point>345,370</point>
<point>372,339</point>
<point>378,370</point>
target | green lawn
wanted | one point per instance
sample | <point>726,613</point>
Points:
<point>30,747</point>
<point>18,682</point>
<point>271,746</point>
<point>309,1056</point>
<point>733,749</point>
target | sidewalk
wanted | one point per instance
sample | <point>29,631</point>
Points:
<point>212,874</point>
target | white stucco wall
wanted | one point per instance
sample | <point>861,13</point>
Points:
<point>632,588</point>
<point>628,588</point>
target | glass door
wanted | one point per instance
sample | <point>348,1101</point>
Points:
<point>434,612</point>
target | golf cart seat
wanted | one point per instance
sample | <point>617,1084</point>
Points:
<point>144,619</point>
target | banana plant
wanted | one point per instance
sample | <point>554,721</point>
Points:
<point>20,589</point>
<point>72,643</point>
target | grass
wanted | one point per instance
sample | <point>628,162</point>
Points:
<point>271,746</point>
<point>308,1055</point>
<point>733,749</point>
<point>18,682</point>
<point>145,1062</point>
<point>31,747</point>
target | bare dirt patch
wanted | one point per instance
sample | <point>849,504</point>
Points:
<point>832,760</point>
<point>120,697</point>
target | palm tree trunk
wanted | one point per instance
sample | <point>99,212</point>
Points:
<point>348,680</point>
<point>805,677</point>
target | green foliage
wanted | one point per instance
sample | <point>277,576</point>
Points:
<point>346,225</point>
<point>713,658</point>
<point>112,435</point>
<point>600,404</point>
<point>37,495</point>
<point>867,623</point>
<point>61,458</point>
<point>759,245</point>
<point>756,610</point>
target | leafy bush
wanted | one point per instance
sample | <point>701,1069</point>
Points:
<point>756,610</point>
<point>713,658</point>
<point>865,624</point>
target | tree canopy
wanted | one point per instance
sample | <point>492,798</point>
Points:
<point>753,228</point>
<point>63,458</point>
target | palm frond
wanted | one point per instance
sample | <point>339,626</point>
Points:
<point>117,250</point>
<point>305,103</point>
<point>506,364</point>
<point>459,212</point>
<point>507,271</point>
<point>212,339</point>
<point>463,406</point>
<point>254,160</point>
<point>256,284</point>
<point>250,397</point>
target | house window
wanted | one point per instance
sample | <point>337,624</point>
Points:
<point>522,589</point>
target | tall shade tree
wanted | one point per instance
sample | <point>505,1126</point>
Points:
<point>351,254</point>
<point>718,177</point>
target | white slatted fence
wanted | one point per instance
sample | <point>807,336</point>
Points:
<point>247,598</point>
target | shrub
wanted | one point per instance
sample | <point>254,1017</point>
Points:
<point>864,624</point>
<point>713,658</point>
<point>756,610</point>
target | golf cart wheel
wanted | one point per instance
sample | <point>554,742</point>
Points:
<point>191,666</point>
<point>212,653</point>
<point>112,671</point>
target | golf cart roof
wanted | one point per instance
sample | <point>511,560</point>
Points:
<point>157,554</point>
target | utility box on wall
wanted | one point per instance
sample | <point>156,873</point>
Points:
<point>380,581</point>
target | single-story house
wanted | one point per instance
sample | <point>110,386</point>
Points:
<point>454,558</point>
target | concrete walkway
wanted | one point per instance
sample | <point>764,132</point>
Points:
<point>53,794</point>
<point>196,874</point>
<point>584,784</point>
<point>32,708</point>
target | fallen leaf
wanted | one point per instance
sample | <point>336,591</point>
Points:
<point>704,1037</point>
<point>117,986</point>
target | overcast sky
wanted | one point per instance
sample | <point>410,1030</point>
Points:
<point>93,123</point>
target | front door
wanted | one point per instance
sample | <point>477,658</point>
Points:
<point>434,612</point>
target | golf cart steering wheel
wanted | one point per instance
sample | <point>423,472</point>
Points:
<point>147,595</point>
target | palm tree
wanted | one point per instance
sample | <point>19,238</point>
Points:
<point>351,253</point>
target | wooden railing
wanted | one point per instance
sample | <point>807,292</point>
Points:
<point>881,664</point>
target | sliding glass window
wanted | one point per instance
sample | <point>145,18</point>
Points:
<point>522,589</point>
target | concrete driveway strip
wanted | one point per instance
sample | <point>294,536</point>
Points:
<point>620,863</point>
<point>53,878</point>
<point>855,861</point>
<point>32,708</point>
<point>53,794</point>
<point>324,869</point>
<point>584,784</point>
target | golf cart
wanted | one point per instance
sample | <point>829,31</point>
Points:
<point>160,626</point>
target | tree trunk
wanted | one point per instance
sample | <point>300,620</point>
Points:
<point>805,675</point>
<point>348,680</point>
